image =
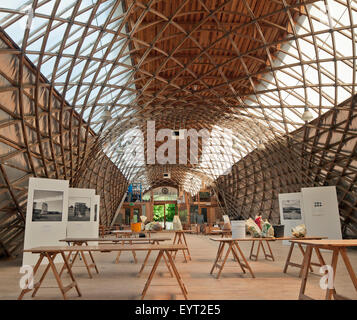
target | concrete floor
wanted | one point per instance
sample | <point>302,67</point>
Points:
<point>120,281</point>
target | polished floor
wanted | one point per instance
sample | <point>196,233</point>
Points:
<point>120,281</point>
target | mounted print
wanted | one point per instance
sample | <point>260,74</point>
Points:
<point>47,205</point>
<point>79,209</point>
<point>291,209</point>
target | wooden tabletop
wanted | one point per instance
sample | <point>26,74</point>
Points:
<point>181,231</point>
<point>303,238</point>
<point>107,248</point>
<point>240,239</point>
<point>130,231</point>
<point>266,239</point>
<point>115,239</point>
<point>328,243</point>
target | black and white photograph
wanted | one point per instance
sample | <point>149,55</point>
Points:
<point>79,209</point>
<point>291,209</point>
<point>47,205</point>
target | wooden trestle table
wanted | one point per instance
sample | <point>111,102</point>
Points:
<point>50,254</point>
<point>130,233</point>
<point>84,241</point>
<point>232,246</point>
<point>337,247</point>
<point>223,233</point>
<point>268,253</point>
<point>180,238</point>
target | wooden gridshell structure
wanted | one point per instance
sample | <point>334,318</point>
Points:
<point>250,66</point>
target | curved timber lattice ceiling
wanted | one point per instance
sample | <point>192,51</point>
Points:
<point>190,64</point>
<point>245,65</point>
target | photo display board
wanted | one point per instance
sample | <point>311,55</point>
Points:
<point>46,215</point>
<point>81,213</point>
<point>55,211</point>
<point>291,212</point>
<point>321,212</point>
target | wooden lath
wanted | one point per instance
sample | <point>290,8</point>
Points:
<point>192,64</point>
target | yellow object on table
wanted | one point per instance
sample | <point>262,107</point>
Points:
<point>136,227</point>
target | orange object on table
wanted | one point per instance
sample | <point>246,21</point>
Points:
<point>136,227</point>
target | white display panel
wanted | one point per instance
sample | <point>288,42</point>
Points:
<point>321,212</point>
<point>46,215</point>
<point>81,213</point>
<point>291,212</point>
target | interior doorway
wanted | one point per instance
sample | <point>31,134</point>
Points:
<point>164,213</point>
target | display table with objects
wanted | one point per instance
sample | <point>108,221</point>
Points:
<point>50,254</point>
<point>337,247</point>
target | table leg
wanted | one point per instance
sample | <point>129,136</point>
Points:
<point>255,256</point>
<point>38,263</point>
<point>287,262</point>
<point>74,282</point>
<point>177,274</point>
<point>168,266</point>
<point>174,242</point>
<point>146,259</point>
<point>235,255</point>
<point>38,285</point>
<point>303,253</point>
<point>119,253</point>
<point>270,255</point>
<point>71,263</point>
<point>218,255</point>
<point>251,250</point>
<point>246,264</point>
<point>349,267</point>
<point>86,264</point>
<point>50,257</point>
<point>319,256</point>
<point>332,292</point>
<point>225,259</point>
<point>179,241</point>
<point>93,261</point>
<point>305,272</point>
<point>134,253</point>
<point>151,275</point>
<point>144,263</point>
<point>188,251</point>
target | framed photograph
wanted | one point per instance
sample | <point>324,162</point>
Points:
<point>79,209</point>
<point>47,205</point>
<point>291,209</point>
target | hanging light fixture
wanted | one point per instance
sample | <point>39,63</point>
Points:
<point>307,115</point>
<point>106,115</point>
